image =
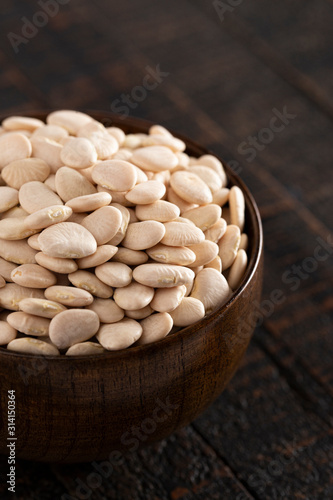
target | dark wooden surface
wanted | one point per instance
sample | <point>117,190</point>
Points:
<point>269,436</point>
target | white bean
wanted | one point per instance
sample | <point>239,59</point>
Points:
<point>229,244</point>
<point>69,295</point>
<point>107,310</point>
<point>28,345</point>
<point>189,311</point>
<point>67,240</point>
<point>133,296</point>
<point>119,335</point>
<point>155,327</point>
<point>237,269</point>
<point>211,288</point>
<point>237,207</point>
<point>73,326</point>
<point>167,299</point>
<point>162,275</point>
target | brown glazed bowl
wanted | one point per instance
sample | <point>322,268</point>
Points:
<point>92,407</point>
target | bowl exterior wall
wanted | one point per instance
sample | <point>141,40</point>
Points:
<point>106,405</point>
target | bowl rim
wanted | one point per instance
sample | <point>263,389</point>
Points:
<point>142,125</point>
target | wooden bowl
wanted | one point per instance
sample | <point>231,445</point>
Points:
<point>88,407</point>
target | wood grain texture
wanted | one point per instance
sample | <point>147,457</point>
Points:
<point>264,451</point>
<point>210,477</point>
<point>225,78</point>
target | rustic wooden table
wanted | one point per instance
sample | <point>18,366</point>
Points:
<point>252,81</point>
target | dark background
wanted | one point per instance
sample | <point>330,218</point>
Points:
<point>229,66</point>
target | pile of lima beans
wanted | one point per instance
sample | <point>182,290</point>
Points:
<point>110,240</point>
